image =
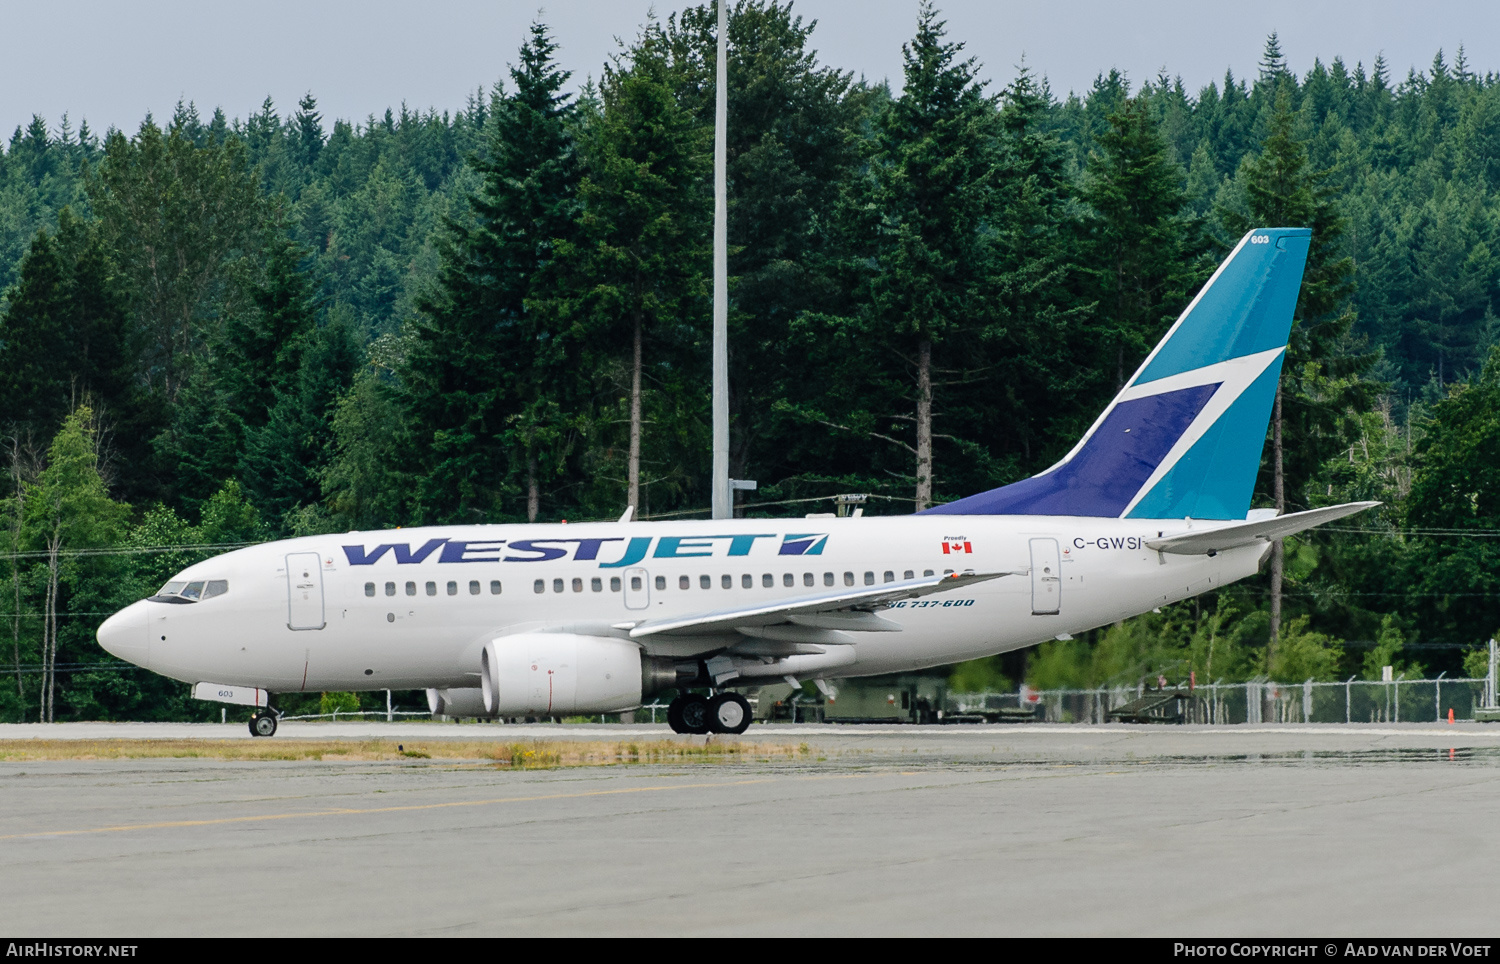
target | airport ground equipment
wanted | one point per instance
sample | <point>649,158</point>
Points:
<point>1155,706</point>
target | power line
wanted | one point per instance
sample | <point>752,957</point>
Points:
<point>132,551</point>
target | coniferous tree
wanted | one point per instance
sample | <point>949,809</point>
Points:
<point>1039,353</point>
<point>1144,248</point>
<point>637,269</point>
<point>1320,379</point>
<point>793,145</point>
<point>65,339</point>
<point>487,379</point>
<point>178,218</point>
<point>932,170</point>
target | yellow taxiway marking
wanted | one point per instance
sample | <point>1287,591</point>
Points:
<point>345,811</point>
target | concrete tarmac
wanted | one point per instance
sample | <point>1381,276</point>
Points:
<point>1037,830</point>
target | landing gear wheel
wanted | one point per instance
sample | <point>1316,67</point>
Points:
<point>688,713</point>
<point>729,713</point>
<point>263,723</point>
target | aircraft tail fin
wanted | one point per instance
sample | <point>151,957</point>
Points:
<point>1183,438</point>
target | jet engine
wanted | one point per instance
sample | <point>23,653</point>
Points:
<point>555,674</point>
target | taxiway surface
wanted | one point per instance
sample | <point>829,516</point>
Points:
<point>1078,830</point>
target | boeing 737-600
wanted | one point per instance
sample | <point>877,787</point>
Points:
<point>1150,507</point>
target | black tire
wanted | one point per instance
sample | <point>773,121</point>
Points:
<point>729,713</point>
<point>263,724</point>
<point>689,714</point>
<point>674,714</point>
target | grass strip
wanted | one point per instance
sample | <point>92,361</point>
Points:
<point>517,754</point>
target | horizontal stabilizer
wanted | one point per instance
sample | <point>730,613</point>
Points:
<point>1248,533</point>
<point>792,610</point>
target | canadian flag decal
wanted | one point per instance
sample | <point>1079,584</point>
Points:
<point>954,545</point>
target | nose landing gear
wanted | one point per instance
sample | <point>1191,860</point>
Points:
<point>264,723</point>
<point>724,713</point>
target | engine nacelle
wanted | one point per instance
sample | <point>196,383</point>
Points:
<point>554,674</point>
<point>462,701</point>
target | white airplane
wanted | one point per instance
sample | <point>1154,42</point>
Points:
<point>499,621</point>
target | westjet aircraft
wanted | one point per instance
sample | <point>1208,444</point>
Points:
<point>499,621</point>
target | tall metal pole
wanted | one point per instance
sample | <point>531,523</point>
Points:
<point>721,496</point>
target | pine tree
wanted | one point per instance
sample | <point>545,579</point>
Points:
<point>635,275</point>
<point>486,380</point>
<point>1320,379</point>
<point>65,338</point>
<point>177,218</point>
<point>34,387</point>
<point>793,145</point>
<point>1143,246</point>
<point>932,169</point>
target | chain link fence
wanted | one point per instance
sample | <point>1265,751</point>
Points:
<point>1258,701</point>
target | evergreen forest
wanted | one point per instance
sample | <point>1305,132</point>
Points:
<point>216,331</point>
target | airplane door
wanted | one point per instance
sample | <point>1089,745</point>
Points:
<point>1046,578</point>
<point>304,591</point>
<point>637,589</point>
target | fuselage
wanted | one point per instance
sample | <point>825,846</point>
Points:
<point>412,608</point>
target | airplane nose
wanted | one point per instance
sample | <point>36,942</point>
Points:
<point>125,634</point>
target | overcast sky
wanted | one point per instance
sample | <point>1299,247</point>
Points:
<point>110,61</point>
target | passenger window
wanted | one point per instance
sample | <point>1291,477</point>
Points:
<point>411,588</point>
<point>704,582</point>
<point>539,586</point>
<point>661,582</point>
<point>947,572</point>
<point>926,572</point>
<point>827,578</point>
<point>431,589</point>
<point>635,583</point>
<point>218,587</point>
<point>908,575</point>
<point>557,585</point>
<point>614,583</point>
<point>889,576</point>
<point>193,590</point>
<point>683,582</point>
<point>596,584</point>
<point>727,582</point>
<point>747,581</point>
<point>473,587</point>
<point>390,589</point>
<point>369,589</point>
<point>452,587</point>
<point>577,585</point>
<point>767,580</point>
<point>788,580</point>
<point>848,578</point>
<point>494,587</point>
<point>807,579</point>
<point>869,579</point>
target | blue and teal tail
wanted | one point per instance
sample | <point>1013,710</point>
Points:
<point>1184,436</point>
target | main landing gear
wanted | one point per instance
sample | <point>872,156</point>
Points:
<point>723,713</point>
<point>263,723</point>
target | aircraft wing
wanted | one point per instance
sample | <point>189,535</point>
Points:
<point>851,609</point>
<point>1238,534</point>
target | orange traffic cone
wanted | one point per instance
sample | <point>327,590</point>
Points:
<point>1450,716</point>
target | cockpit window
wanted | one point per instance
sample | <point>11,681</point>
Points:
<point>190,592</point>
